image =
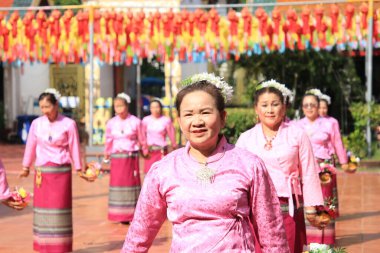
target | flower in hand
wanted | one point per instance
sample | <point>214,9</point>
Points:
<point>92,172</point>
<point>19,199</point>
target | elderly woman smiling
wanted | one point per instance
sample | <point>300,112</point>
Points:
<point>219,198</point>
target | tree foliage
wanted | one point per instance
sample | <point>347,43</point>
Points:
<point>332,72</point>
<point>67,2</point>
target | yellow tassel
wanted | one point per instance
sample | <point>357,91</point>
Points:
<point>38,178</point>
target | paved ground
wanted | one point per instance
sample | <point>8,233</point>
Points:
<point>358,228</point>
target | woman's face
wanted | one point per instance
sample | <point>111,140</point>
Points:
<point>270,109</point>
<point>48,109</point>
<point>200,120</point>
<point>310,107</point>
<point>155,109</point>
<point>120,107</point>
<point>323,108</point>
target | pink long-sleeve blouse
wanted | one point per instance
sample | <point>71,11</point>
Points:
<point>322,134</point>
<point>124,135</point>
<point>4,189</point>
<point>157,129</point>
<point>56,142</point>
<point>209,217</point>
<point>338,138</point>
<point>290,162</point>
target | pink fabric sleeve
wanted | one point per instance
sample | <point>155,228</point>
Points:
<point>4,189</point>
<point>74,146</point>
<point>149,216</point>
<point>338,144</point>
<point>108,139</point>
<point>144,126</point>
<point>266,214</point>
<point>31,144</point>
<point>171,133</point>
<point>142,138</point>
<point>312,191</point>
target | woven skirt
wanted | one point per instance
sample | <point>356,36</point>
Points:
<point>155,154</point>
<point>294,226</point>
<point>125,186</point>
<point>52,220</point>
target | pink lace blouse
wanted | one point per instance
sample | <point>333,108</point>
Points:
<point>124,135</point>
<point>290,162</point>
<point>56,142</point>
<point>216,216</point>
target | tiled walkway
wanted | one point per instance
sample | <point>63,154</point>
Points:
<point>358,228</point>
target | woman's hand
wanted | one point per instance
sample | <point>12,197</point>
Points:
<point>83,175</point>
<point>13,204</point>
<point>311,216</point>
<point>24,172</point>
<point>344,166</point>
<point>145,154</point>
<point>106,159</point>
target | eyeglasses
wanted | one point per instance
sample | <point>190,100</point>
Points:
<point>311,105</point>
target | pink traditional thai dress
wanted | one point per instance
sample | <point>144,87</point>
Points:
<point>291,166</point>
<point>321,134</point>
<point>156,130</point>
<point>224,214</point>
<point>338,138</point>
<point>4,189</point>
<point>54,146</point>
<point>124,139</point>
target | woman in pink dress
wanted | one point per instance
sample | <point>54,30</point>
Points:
<point>323,110</point>
<point>157,127</point>
<point>124,140</point>
<point>288,156</point>
<point>53,145</point>
<point>321,134</point>
<point>218,197</point>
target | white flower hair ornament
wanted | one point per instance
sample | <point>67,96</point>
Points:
<point>54,92</point>
<point>286,93</point>
<point>217,81</point>
<point>315,92</point>
<point>325,97</point>
<point>125,97</point>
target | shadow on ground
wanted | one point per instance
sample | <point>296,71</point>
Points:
<point>353,239</point>
<point>358,215</point>
<point>101,247</point>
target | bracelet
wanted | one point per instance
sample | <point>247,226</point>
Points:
<point>311,212</point>
<point>26,169</point>
<point>106,161</point>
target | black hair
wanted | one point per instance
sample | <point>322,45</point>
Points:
<point>205,86</point>
<point>49,97</point>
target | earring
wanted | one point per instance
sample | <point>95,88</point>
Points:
<point>257,118</point>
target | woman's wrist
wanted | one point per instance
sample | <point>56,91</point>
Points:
<point>310,211</point>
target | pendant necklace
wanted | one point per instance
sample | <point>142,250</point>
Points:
<point>50,131</point>
<point>205,174</point>
<point>268,144</point>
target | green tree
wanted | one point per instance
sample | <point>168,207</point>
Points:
<point>67,2</point>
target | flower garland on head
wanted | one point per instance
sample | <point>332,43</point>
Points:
<point>325,97</point>
<point>315,92</point>
<point>125,97</point>
<point>217,81</point>
<point>286,93</point>
<point>54,92</point>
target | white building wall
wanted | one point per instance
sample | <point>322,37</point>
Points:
<point>106,81</point>
<point>34,79</point>
<point>21,86</point>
